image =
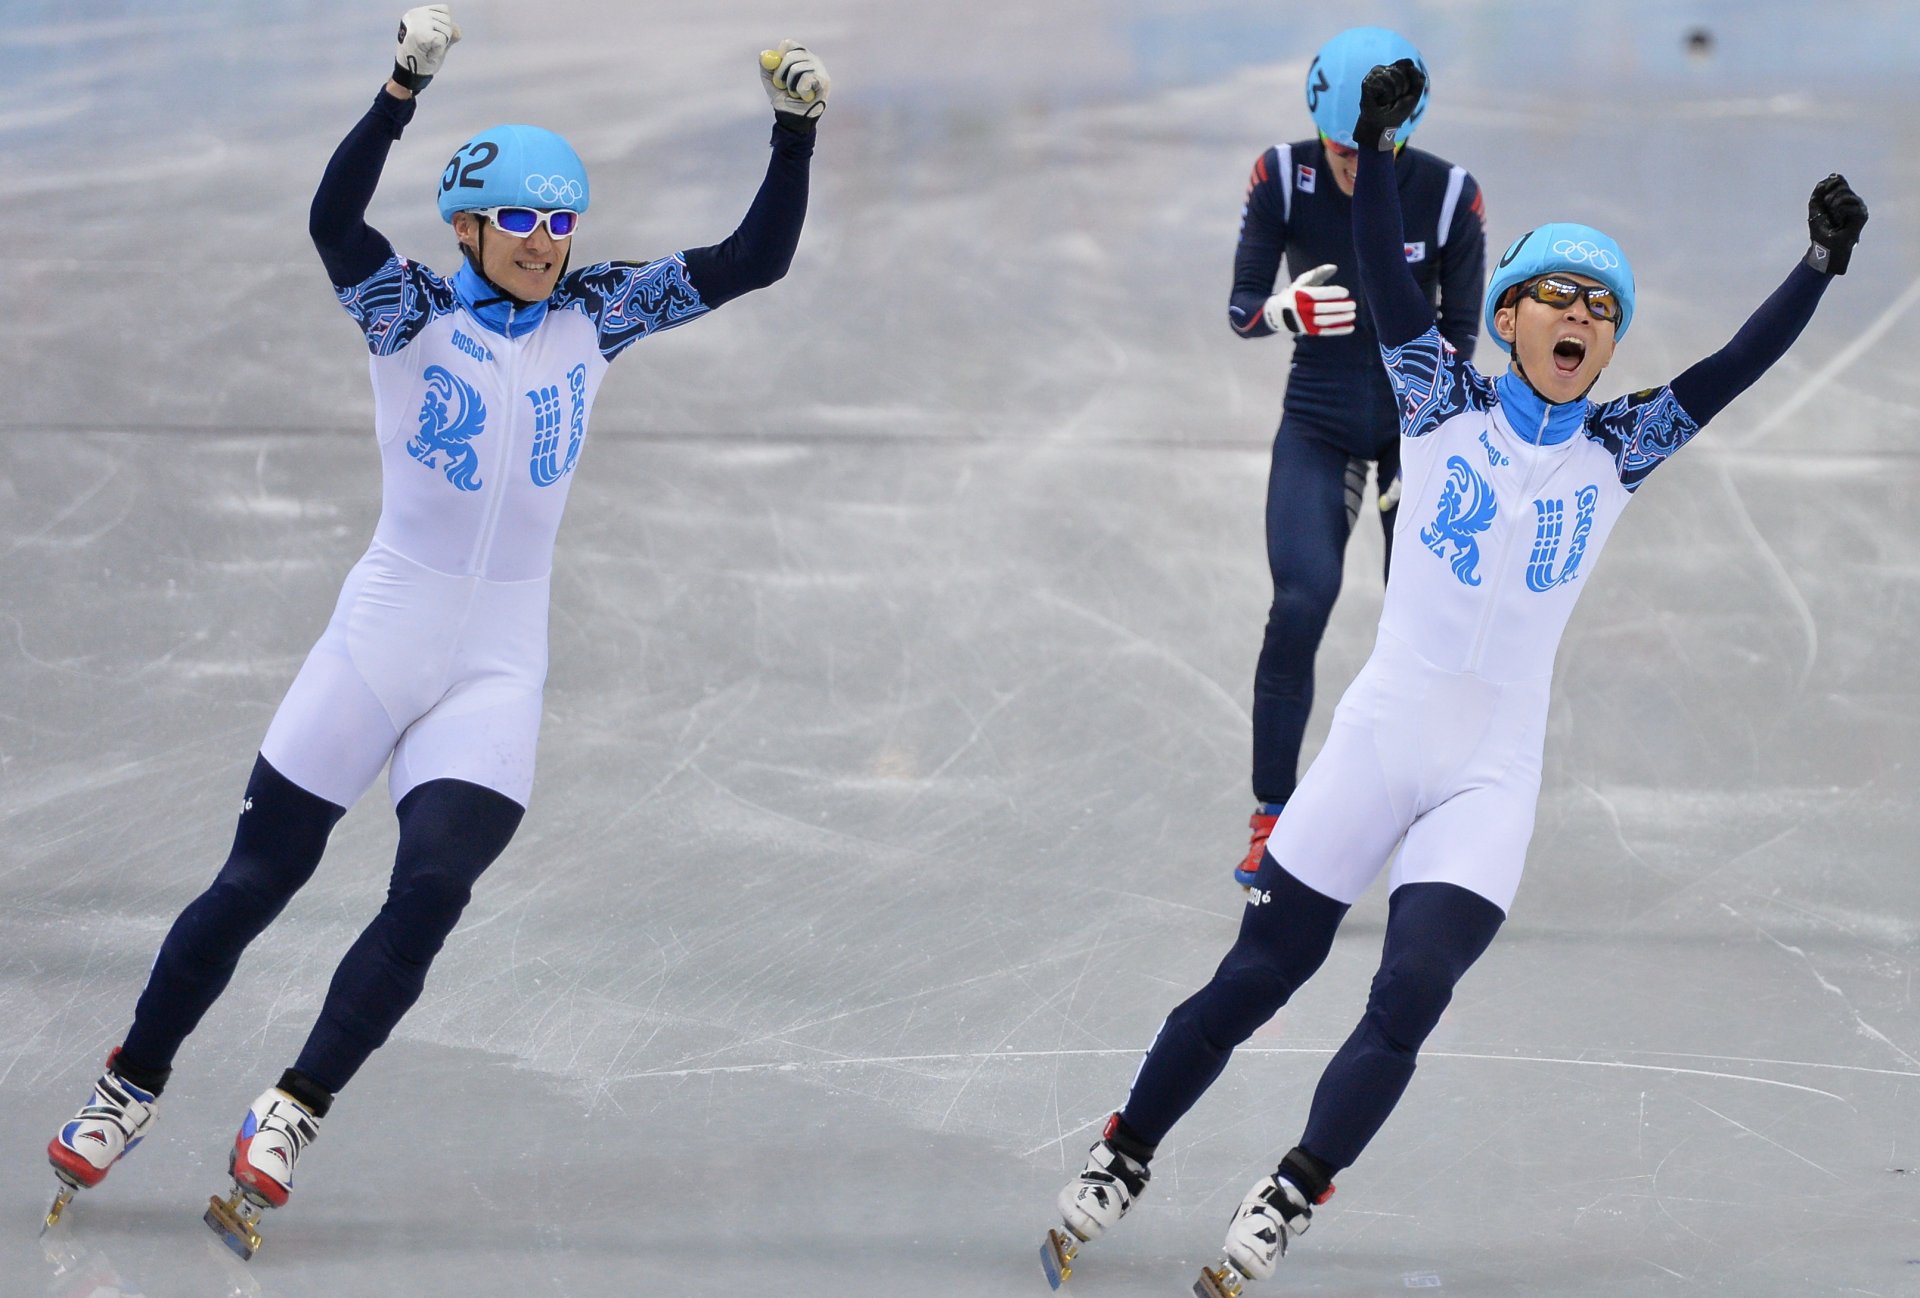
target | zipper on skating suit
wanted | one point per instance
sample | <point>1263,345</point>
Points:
<point>496,499</point>
<point>1496,587</point>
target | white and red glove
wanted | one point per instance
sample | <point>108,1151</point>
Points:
<point>1310,305</point>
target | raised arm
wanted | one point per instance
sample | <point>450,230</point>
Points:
<point>1400,309</point>
<point>761,249</point>
<point>350,249</point>
<point>1835,217</point>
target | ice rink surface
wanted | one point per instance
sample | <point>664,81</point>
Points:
<point>903,639</point>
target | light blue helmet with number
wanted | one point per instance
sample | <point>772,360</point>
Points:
<point>1563,246</point>
<point>513,166</point>
<point>1333,82</point>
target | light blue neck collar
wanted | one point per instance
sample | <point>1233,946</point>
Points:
<point>492,310</point>
<point>1532,419</point>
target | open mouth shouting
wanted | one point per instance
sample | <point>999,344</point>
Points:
<point>1569,353</point>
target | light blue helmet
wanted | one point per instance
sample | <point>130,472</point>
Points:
<point>1564,246</point>
<point>513,166</point>
<point>1333,82</point>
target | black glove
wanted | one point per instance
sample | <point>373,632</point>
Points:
<point>1387,99</point>
<point>1835,216</point>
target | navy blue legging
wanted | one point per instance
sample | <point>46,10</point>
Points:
<point>1315,490</point>
<point>450,832</point>
<point>1435,931</point>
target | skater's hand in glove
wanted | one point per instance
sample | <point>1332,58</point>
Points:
<point>426,34</point>
<point>1835,217</point>
<point>1387,99</point>
<point>1310,305</point>
<point>795,79</point>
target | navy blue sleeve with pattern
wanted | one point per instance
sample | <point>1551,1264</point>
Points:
<point>628,300</point>
<point>395,302</point>
<point>1640,431</point>
<point>350,249</point>
<point>1432,383</point>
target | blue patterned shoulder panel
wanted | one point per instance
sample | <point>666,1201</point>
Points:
<point>395,303</point>
<point>627,300</point>
<point>1640,431</point>
<point>1432,384</point>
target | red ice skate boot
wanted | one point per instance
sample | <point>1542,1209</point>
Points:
<point>275,1131</point>
<point>1261,823</point>
<point>115,1118</point>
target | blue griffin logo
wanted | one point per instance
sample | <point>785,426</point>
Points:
<point>546,465</point>
<point>1467,507</point>
<point>450,418</point>
<point>1550,518</point>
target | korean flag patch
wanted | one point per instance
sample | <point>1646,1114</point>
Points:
<point>1417,251</point>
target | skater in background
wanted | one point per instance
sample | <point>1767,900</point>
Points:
<point>436,654</point>
<point>1339,412</point>
<point>1512,486</point>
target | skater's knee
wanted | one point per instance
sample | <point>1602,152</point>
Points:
<point>1410,994</point>
<point>422,908</point>
<point>1249,987</point>
<point>451,826</point>
<point>1302,602</point>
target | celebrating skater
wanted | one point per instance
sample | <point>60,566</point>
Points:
<point>1512,486</point>
<point>436,654</point>
<point>1338,414</point>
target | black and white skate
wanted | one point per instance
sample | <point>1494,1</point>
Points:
<point>236,1220</point>
<point>1056,1256</point>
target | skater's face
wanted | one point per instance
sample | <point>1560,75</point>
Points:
<point>1562,349</point>
<point>526,267</point>
<point>1343,162</point>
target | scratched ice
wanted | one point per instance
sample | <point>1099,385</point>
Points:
<point>902,640</point>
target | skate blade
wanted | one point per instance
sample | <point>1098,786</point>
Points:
<point>1219,1282</point>
<point>233,1220</point>
<point>60,1202</point>
<point>1056,1257</point>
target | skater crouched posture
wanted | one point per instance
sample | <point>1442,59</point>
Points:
<point>1511,488</point>
<point>437,651</point>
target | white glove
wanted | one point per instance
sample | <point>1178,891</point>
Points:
<point>426,34</point>
<point>1310,305</point>
<point>796,81</point>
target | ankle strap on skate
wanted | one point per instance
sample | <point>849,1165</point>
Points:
<point>1307,1174</point>
<point>1119,1135</point>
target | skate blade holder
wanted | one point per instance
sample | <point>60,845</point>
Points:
<point>60,1201</point>
<point>235,1219</point>
<point>1221,1281</point>
<point>1056,1257</point>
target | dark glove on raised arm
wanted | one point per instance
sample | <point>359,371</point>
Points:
<point>1387,99</point>
<point>1835,217</point>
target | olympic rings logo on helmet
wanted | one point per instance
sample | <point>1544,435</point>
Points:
<point>1588,254</point>
<point>561,191</point>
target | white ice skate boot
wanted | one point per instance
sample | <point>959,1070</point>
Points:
<point>115,1118</point>
<point>1096,1199</point>
<point>1274,1210</point>
<point>276,1129</point>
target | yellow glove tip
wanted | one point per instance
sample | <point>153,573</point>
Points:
<point>769,59</point>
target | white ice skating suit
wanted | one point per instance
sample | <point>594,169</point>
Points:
<point>1439,738</point>
<point>437,650</point>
